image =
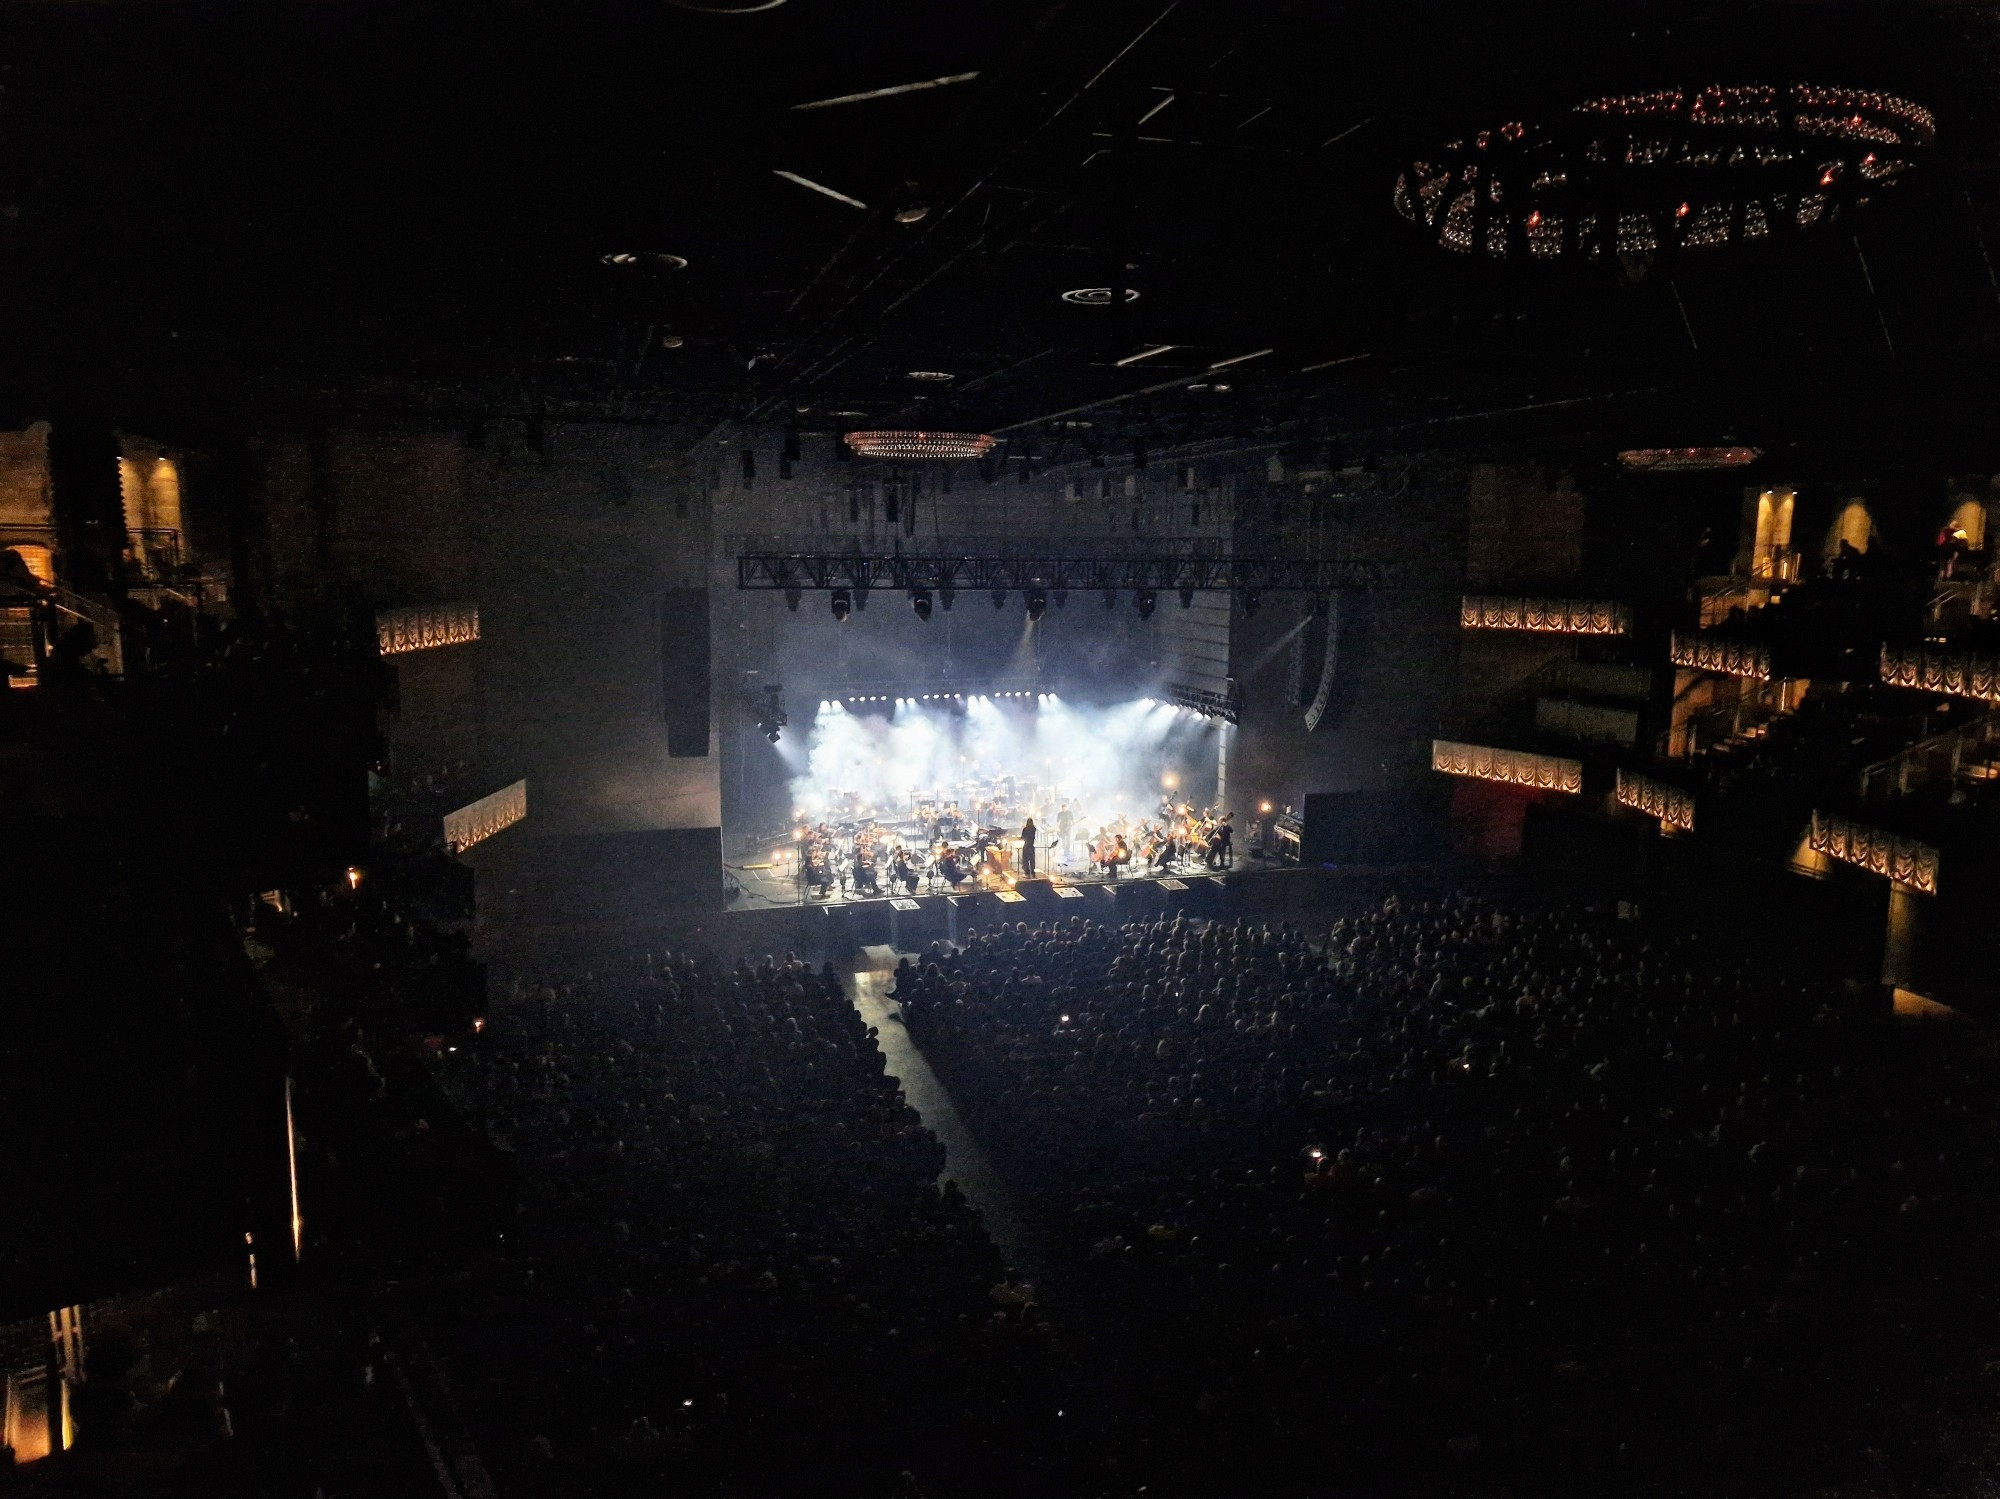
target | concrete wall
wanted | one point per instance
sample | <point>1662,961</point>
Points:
<point>568,552</point>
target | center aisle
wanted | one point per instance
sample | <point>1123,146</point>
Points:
<point>964,1161</point>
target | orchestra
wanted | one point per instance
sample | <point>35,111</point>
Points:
<point>988,838</point>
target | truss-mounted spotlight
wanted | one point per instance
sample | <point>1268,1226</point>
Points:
<point>999,598</point>
<point>1038,604</point>
<point>946,593</point>
<point>1250,600</point>
<point>1187,598</point>
<point>1110,598</point>
<point>792,598</point>
<point>843,604</point>
<point>1062,597</point>
<point>1145,599</point>
<point>920,602</point>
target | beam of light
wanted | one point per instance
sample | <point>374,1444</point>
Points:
<point>1223,364</point>
<point>1142,354</point>
<point>890,92</point>
<point>1327,364</point>
<point>818,187</point>
<point>292,1168</point>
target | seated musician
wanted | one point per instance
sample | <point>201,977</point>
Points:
<point>900,873</point>
<point>1121,855</point>
<point>866,881</point>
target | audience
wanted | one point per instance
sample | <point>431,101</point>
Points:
<point>1466,1195</point>
<point>733,1271</point>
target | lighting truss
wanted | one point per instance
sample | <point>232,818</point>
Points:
<point>1226,706</point>
<point>957,689</point>
<point>1083,563</point>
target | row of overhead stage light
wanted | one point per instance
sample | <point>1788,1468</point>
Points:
<point>935,697</point>
<point>1145,600</point>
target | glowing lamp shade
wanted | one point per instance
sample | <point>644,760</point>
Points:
<point>918,446</point>
<point>1688,460</point>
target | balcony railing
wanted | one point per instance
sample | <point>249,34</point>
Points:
<point>1776,565</point>
<point>1946,756</point>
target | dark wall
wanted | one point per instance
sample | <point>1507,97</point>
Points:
<point>1397,667</point>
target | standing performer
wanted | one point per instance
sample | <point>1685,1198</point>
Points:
<point>1065,821</point>
<point>1028,849</point>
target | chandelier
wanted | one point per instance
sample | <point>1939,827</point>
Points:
<point>1688,460</point>
<point>1667,171</point>
<point>917,446</point>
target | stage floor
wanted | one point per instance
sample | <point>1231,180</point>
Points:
<point>771,879</point>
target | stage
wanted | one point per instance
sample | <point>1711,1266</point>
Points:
<point>772,879</point>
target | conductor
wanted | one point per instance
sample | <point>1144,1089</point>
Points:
<point>1028,849</point>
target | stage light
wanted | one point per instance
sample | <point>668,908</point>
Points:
<point>1038,603</point>
<point>1145,599</point>
<point>792,597</point>
<point>1062,597</point>
<point>1265,808</point>
<point>1110,598</point>
<point>1187,598</point>
<point>1250,601</point>
<point>999,598</point>
<point>945,596</point>
<point>843,602</point>
<point>920,602</point>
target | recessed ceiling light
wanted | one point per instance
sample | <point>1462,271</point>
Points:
<point>847,413</point>
<point>933,376</point>
<point>659,260</point>
<point>1097,296</point>
<point>916,213</point>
